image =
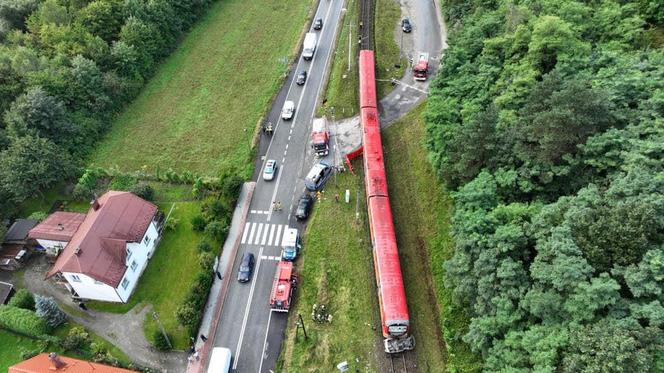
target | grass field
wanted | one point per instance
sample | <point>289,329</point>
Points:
<point>388,16</point>
<point>200,110</point>
<point>175,265</point>
<point>336,271</point>
<point>422,211</point>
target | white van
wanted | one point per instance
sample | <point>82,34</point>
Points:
<point>220,360</point>
<point>309,46</point>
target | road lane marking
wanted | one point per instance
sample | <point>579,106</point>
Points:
<point>274,194</point>
<point>276,239</point>
<point>251,234</point>
<point>246,230</point>
<point>264,235</point>
<point>246,310</point>
<point>258,233</point>
<point>269,319</point>
<point>269,240</point>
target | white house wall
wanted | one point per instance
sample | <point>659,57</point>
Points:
<point>140,253</point>
<point>88,288</point>
<point>51,245</point>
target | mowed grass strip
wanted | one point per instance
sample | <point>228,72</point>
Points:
<point>387,18</point>
<point>422,211</point>
<point>200,110</point>
<point>168,276</point>
<point>335,270</point>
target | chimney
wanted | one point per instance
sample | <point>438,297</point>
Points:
<point>61,227</point>
<point>95,204</point>
<point>77,251</point>
<point>56,363</point>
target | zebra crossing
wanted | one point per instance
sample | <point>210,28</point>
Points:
<point>263,234</point>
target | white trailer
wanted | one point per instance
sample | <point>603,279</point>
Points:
<point>309,46</point>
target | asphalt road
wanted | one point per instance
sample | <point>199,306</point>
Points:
<point>247,327</point>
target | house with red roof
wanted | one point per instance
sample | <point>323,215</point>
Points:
<point>44,363</point>
<point>103,253</point>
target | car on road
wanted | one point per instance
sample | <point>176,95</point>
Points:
<point>301,77</point>
<point>304,207</point>
<point>246,267</point>
<point>317,177</point>
<point>406,26</point>
<point>288,110</point>
<point>318,24</point>
<point>220,360</point>
<point>270,170</point>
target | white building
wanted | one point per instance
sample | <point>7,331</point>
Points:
<point>109,249</point>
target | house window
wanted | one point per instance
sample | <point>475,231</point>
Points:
<point>147,240</point>
<point>125,283</point>
<point>76,278</point>
<point>134,265</point>
<point>128,254</point>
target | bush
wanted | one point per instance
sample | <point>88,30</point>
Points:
<point>48,310</point>
<point>160,341</point>
<point>143,190</point>
<point>215,210</point>
<point>217,230</point>
<point>23,299</point>
<point>22,321</point>
<point>198,223</point>
<point>204,246</point>
<point>38,215</point>
<point>189,312</point>
<point>171,224</point>
<point>77,339</point>
<point>206,260</point>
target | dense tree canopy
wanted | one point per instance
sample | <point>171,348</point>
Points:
<point>547,118</point>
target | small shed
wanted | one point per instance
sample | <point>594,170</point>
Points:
<point>15,248</point>
<point>6,292</point>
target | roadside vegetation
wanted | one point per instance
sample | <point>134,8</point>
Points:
<point>387,18</point>
<point>422,212</point>
<point>546,121</point>
<point>336,271</point>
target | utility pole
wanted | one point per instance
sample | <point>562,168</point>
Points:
<point>163,331</point>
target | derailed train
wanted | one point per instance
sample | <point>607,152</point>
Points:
<point>394,315</point>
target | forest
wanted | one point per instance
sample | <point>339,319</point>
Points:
<point>547,123</point>
<point>66,68</point>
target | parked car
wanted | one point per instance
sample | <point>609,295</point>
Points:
<point>246,267</point>
<point>304,206</point>
<point>406,26</point>
<point>301,77</point>
<point>270,170</point>
<point>318,24</point>
<point>288,110</point>
<point>318,175</point>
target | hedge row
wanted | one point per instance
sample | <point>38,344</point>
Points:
<point>23,321</point>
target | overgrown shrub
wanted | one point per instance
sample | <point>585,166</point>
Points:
<point>189,312</point>
<point>217,230</point>
<point>23,321</point>
<point>160,341</point>
<point>198,223</point>
<point>171,224</point>
<point>48,310</point>
<point>23,299</point>
<point>143,190</point>
<point>76,339</point>
<point>204,246</point>
<point>206,260</point>
<point>122,182</point>
<point>38,215</point>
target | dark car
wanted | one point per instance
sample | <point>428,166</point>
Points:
<point>317,177</point>
<point>246,267</point>
<point>304,207</point>
<point>318,24</point>
<point>301,77</point>
<point>406,26</point>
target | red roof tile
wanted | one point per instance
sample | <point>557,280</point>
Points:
<point>59,226</point>
<point>97,249</point>
<point>41,364</point>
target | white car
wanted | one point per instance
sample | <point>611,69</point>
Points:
<point>270,170</point>
<point>288,110</point>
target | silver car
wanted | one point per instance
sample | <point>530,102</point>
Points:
<point>288,110</point>
<point>270,170</point>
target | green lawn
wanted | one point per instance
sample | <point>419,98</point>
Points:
<point>335,270</point>
<point>422,211</point>
<point>11,347</point>
<point>168,276</point>
<point>200,110</point>
<point>388,16</point>
<point>45,202</point>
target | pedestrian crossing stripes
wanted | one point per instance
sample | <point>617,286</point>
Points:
<point>265,257</point>
<point>263,234</point>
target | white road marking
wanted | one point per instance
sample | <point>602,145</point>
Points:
<point>258,234</point>
<point>286,146</point>
<point>283,159</point>
<point>253,211</point>
<point>269,319</point>
<point>274,194</point>
<point>269,240</point>
<point>253,230</point>
<point>246,230</point>
<point>276,239</point>
<point>264,235</point>
<point>289,138</point>
<point>246,310</point>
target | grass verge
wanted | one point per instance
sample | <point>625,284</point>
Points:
<point>422,212</point>
<point>198,113</point>
<point>336,271</point>
<point>175,258</point>
<point>388,16</point>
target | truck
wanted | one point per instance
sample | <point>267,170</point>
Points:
<point>290,245</point>
<point>309,46</point>
<point>283,287</point>
<point>421,68</point>
<point>320,137</point>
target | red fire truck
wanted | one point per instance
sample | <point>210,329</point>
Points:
<point>285,283</point>
<point>421,69</point>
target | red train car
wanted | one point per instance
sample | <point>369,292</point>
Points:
<point>391,293</point>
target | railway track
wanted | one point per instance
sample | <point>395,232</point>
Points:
<point>367,8</point>
<point>400,365</point>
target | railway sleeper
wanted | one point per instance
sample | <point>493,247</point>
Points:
<point>396,345</point>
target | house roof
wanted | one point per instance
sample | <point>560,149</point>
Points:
<point>19,230</point>
<point>98,248</point>
<point>5,290</point>
<point>42,364</point>
<point>59,226</point>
